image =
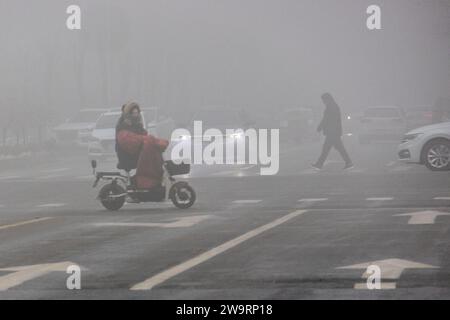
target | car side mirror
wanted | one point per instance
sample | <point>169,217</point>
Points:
<point>94,164</point>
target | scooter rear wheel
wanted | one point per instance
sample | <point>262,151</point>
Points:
<point>182,195</point>
<point>107,196</point>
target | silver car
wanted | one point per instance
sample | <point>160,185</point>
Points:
<point>429,145</point>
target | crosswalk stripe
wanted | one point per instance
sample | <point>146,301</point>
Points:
<point>312,200</point>
<point>51,205</point>
<point>246,201</point>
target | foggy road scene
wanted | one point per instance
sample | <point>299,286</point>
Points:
<point>225,150</point>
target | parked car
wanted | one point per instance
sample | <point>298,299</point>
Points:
<point>417,117</point>
<point>77,129</point>
<point>103,136</point>
<point>382,123</point>
<point>429,145</point>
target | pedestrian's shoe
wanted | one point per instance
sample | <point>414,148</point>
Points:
<point>316,167</point>
<point>349,166</point>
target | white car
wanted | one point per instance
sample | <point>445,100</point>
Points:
<point>103,138</point>
<point>78,128</point>
<point>429,145</point>
<point>382,123</point>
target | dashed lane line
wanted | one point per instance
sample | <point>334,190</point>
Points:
<point>51,205</point>
<point>312,200</point>
<point>246,201</point>
<point>174,271</point>
<point>24,223</point>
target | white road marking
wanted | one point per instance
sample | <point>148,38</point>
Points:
<point>312,200</point>
<point>380,199</point>
<point>390,268</point>
<point>50,176</point>
<point>24,223</point>
<point>26,273</point>
<point>9,177</point>
<point>172,272</point>
<point>441,198</point>
<point>179,223</point>
<point>423,217</point>
<point>246,201</point>
<point>55,170</point>
<point>383,286</point>
<point>51,205</point>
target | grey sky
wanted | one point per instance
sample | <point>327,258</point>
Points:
<point>182,54</point>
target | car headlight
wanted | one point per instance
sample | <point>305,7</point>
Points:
<point>410,137</point>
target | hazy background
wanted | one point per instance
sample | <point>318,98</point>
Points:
<point>184,54</point>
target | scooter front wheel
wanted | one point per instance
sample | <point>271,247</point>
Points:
<point>182,195</point>
<point>112,196</point>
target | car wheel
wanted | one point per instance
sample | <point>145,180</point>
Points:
<point>437,155</point>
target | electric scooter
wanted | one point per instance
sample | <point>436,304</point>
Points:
<point>121,188</point>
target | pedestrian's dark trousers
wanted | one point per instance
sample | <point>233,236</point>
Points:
<point>336,142</point>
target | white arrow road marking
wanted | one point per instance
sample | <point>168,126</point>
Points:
<point>183,222</point>
<point>390,269</point>
<point>26,273</point>
<point>51,205</point>
<point>441,198</point>
<point>24,223</point>
<point>172,272</point>
<point>379,199</point>
<point>423,217</point>
<point>246,201</point>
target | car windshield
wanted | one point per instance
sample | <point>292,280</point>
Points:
<point>213,118</point>
<point>107,121</point>
<point>87,116</point>
<point>382,113</point>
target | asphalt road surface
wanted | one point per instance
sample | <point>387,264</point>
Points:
<point>300,234</point>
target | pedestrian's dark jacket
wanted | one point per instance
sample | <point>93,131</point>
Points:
<point>331,124</point>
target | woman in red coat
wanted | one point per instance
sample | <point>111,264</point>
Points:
<point>135,141</point>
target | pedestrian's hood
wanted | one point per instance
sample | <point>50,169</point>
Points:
<point>437,126</point>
